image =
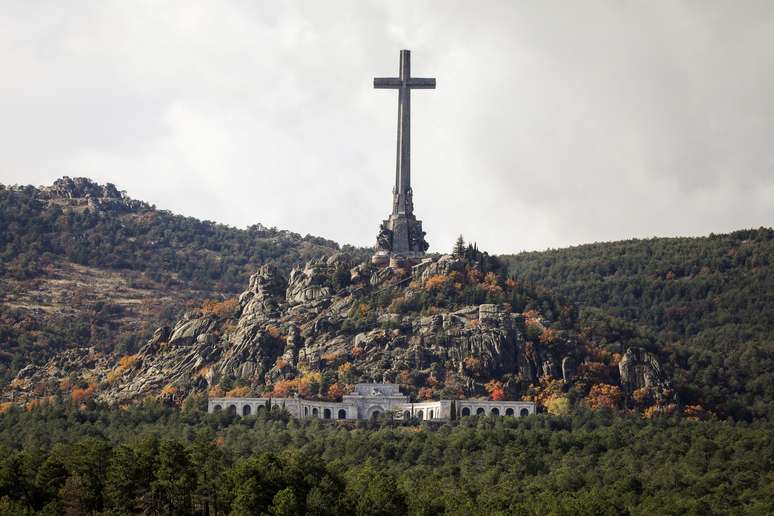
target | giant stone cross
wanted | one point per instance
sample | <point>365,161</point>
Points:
<point>402,233</point>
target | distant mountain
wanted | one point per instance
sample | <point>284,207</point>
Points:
<point>708,302</point>
<point>83,264</point>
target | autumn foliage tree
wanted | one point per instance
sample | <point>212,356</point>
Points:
<point>604,396</point>
<point>495,390</point>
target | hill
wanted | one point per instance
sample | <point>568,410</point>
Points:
<point>83,264</point>
<point>707,302</point>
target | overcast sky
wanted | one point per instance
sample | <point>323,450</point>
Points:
<point>553,123</point>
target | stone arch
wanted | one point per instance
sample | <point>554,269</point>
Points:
<point>342,414</point>
<point>374,411</point>
<point>217,408</point>
<point>407,415</point>
<point>524,412</point>
<point>326,413</point>
<point>430,414</point>
<point>306,411</point>
<point>247,410</point>
<point>465,411</point>
<point>495,411</point>
<point>480,411</point>
<point>260,410</point>
<point>509,412</point>
<point>420,415</point>
<point>315,412</point>
<point>231,409</point>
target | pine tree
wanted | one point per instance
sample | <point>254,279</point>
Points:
<point>459,247</point>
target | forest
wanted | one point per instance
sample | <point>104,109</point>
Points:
<point>61,459</point>
<point>707,303</point>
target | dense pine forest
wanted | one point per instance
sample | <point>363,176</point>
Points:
<point>707,303</point>
<point>157,460</point>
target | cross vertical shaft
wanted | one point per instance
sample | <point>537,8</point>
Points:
<point>403,161</point>
<point>402,233</point>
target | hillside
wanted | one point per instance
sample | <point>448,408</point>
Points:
<point>447,327</point>
<point>708,303</point>
<point>83,264</point>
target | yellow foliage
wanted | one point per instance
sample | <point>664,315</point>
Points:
<point>345,369</point>
<point>6,406</point>
<point>558,405</point>
<point>201,373</point>
<point>239,392</point>
<point>216,391</point>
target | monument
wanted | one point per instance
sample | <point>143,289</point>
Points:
<point>401,234</point>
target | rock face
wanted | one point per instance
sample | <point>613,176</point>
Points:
<point>323,318</point>
<point>640,369</point>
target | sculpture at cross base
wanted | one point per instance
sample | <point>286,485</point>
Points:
<point>402,233</point>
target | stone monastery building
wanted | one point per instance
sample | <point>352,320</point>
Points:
<point>373,400</point>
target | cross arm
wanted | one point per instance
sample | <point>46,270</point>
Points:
<point>387,82</point>
<point>422,84</point>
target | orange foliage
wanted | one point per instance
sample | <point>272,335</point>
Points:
<point>474,276</point>
<point>221,309</point>
<point>472,363</point>
<point>283,388</point>
<point>169,390</point>
<point>239,392</point>
<point>281,363</point>
<point>6,406</point>
<point>273,331</point>
<point>124,363</point>
<point>549,336</point>
<point>473,323</point>
<point>642,396</point>
<point>603,395</point>
<point>357,351</point>
<point>201,373</point>
<point>435,282</point>
<point>335,392</point>
<point>495,389</point>
<point>549,388</point>
<point>331,357</point>
<point>425,393</point>
<point>79,395</point>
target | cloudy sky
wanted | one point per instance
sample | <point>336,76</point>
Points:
<point>553,124</point>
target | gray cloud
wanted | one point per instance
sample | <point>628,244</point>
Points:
<point>554,123</point>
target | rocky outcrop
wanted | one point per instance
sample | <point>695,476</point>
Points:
<point>264,293</point>
<point>327,315</point>
<point>640,369</point>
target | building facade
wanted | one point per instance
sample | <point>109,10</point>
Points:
<point>373,400</point>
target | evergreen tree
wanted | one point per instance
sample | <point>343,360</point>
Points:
<point>459,247</point>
